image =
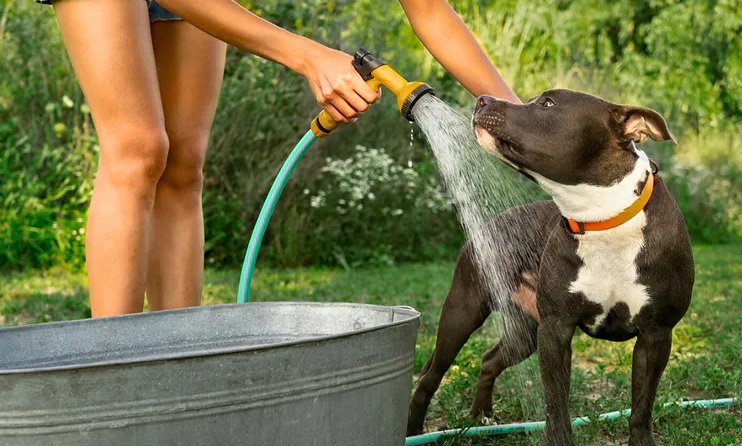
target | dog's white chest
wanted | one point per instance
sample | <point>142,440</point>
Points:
<point>609,273</point>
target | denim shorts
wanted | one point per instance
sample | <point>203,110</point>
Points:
<point>156,12</point>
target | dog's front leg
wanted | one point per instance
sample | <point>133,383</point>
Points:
<point>651,353</point>
<point>554,358</point>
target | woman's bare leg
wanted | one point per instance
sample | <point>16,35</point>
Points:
<point>110,47</point>
<point>190,65</point>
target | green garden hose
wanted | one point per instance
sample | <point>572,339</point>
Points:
<point>503,429</point>
<point>266,211</point>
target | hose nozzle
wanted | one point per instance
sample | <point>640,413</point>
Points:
<point>376,73</point>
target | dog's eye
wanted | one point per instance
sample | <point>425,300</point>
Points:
<point>548,103</point>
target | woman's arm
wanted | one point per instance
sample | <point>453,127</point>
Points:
<point>332,79</point>
<point>449,40</point>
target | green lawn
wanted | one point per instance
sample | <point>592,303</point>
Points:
<point>705,361</point>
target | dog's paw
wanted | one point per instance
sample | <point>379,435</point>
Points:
<point>482,416</point>
<point>487,421</point>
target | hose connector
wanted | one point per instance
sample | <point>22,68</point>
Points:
<point>376,72</point>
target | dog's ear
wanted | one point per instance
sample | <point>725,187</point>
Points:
<point>640,123</point>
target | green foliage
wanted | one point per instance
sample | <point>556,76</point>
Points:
<point>706,179</point>
<point>682,58</point>
<point>364,200</point>
<point>46,192</point>
<point>48,149</point>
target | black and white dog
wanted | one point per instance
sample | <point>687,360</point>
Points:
<point>610,254</point>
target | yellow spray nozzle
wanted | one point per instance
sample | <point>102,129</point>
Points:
<point>406,92</point>
<point>376,72</point>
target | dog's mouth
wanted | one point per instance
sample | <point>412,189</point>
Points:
<point>507,147</point>
<point>498,145</point>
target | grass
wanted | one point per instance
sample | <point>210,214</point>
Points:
<point>705,360</point>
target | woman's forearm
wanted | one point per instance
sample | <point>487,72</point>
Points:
<point>335,84</point>
<point>231,23</point>
<point>449,40</point>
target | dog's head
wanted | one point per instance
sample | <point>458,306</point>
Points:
<point>566,136</point>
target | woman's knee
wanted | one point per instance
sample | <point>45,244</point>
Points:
<point>134,158</point>
<point>184,170</point>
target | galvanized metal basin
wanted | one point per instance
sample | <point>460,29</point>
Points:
<point>246,374</point>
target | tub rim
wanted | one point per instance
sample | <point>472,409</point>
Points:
<point>409,315</point>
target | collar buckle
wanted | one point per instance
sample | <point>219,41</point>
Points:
<point>575,227</point>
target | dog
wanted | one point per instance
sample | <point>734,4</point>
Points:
<point>609,254</point>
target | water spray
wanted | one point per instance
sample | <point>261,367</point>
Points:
<point>376,73</point>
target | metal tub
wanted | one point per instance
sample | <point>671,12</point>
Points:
<point>256,374</point>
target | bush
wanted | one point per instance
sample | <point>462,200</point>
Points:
<point>48,149</point>
<point>46,191</point>
<point>372,209</point>
<point>706,181</point>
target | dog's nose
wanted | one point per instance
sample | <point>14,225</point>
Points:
<point>484,100</point>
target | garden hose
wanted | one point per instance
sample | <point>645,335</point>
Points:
<point>266,211</point>
<point>376,73</point>
<point>503,429</point>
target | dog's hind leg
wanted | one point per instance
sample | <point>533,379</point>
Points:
<point>463,312</point>
<point>518,343</point>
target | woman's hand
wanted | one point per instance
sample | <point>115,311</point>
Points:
<point>336,85</point>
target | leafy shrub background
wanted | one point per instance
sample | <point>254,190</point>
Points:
<point>683,58</point>
<point>706,179</point>
<point>48,149</point>
<point>382,210</point>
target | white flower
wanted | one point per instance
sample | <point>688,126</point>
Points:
<point>317,201</point>
<point>67,102</point>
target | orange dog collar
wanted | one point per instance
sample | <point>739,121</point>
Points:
<point>627,214</point>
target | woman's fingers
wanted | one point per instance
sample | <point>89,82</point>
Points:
<point>334,113</point>
<point>338,88</point>
<point>366,93</point>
